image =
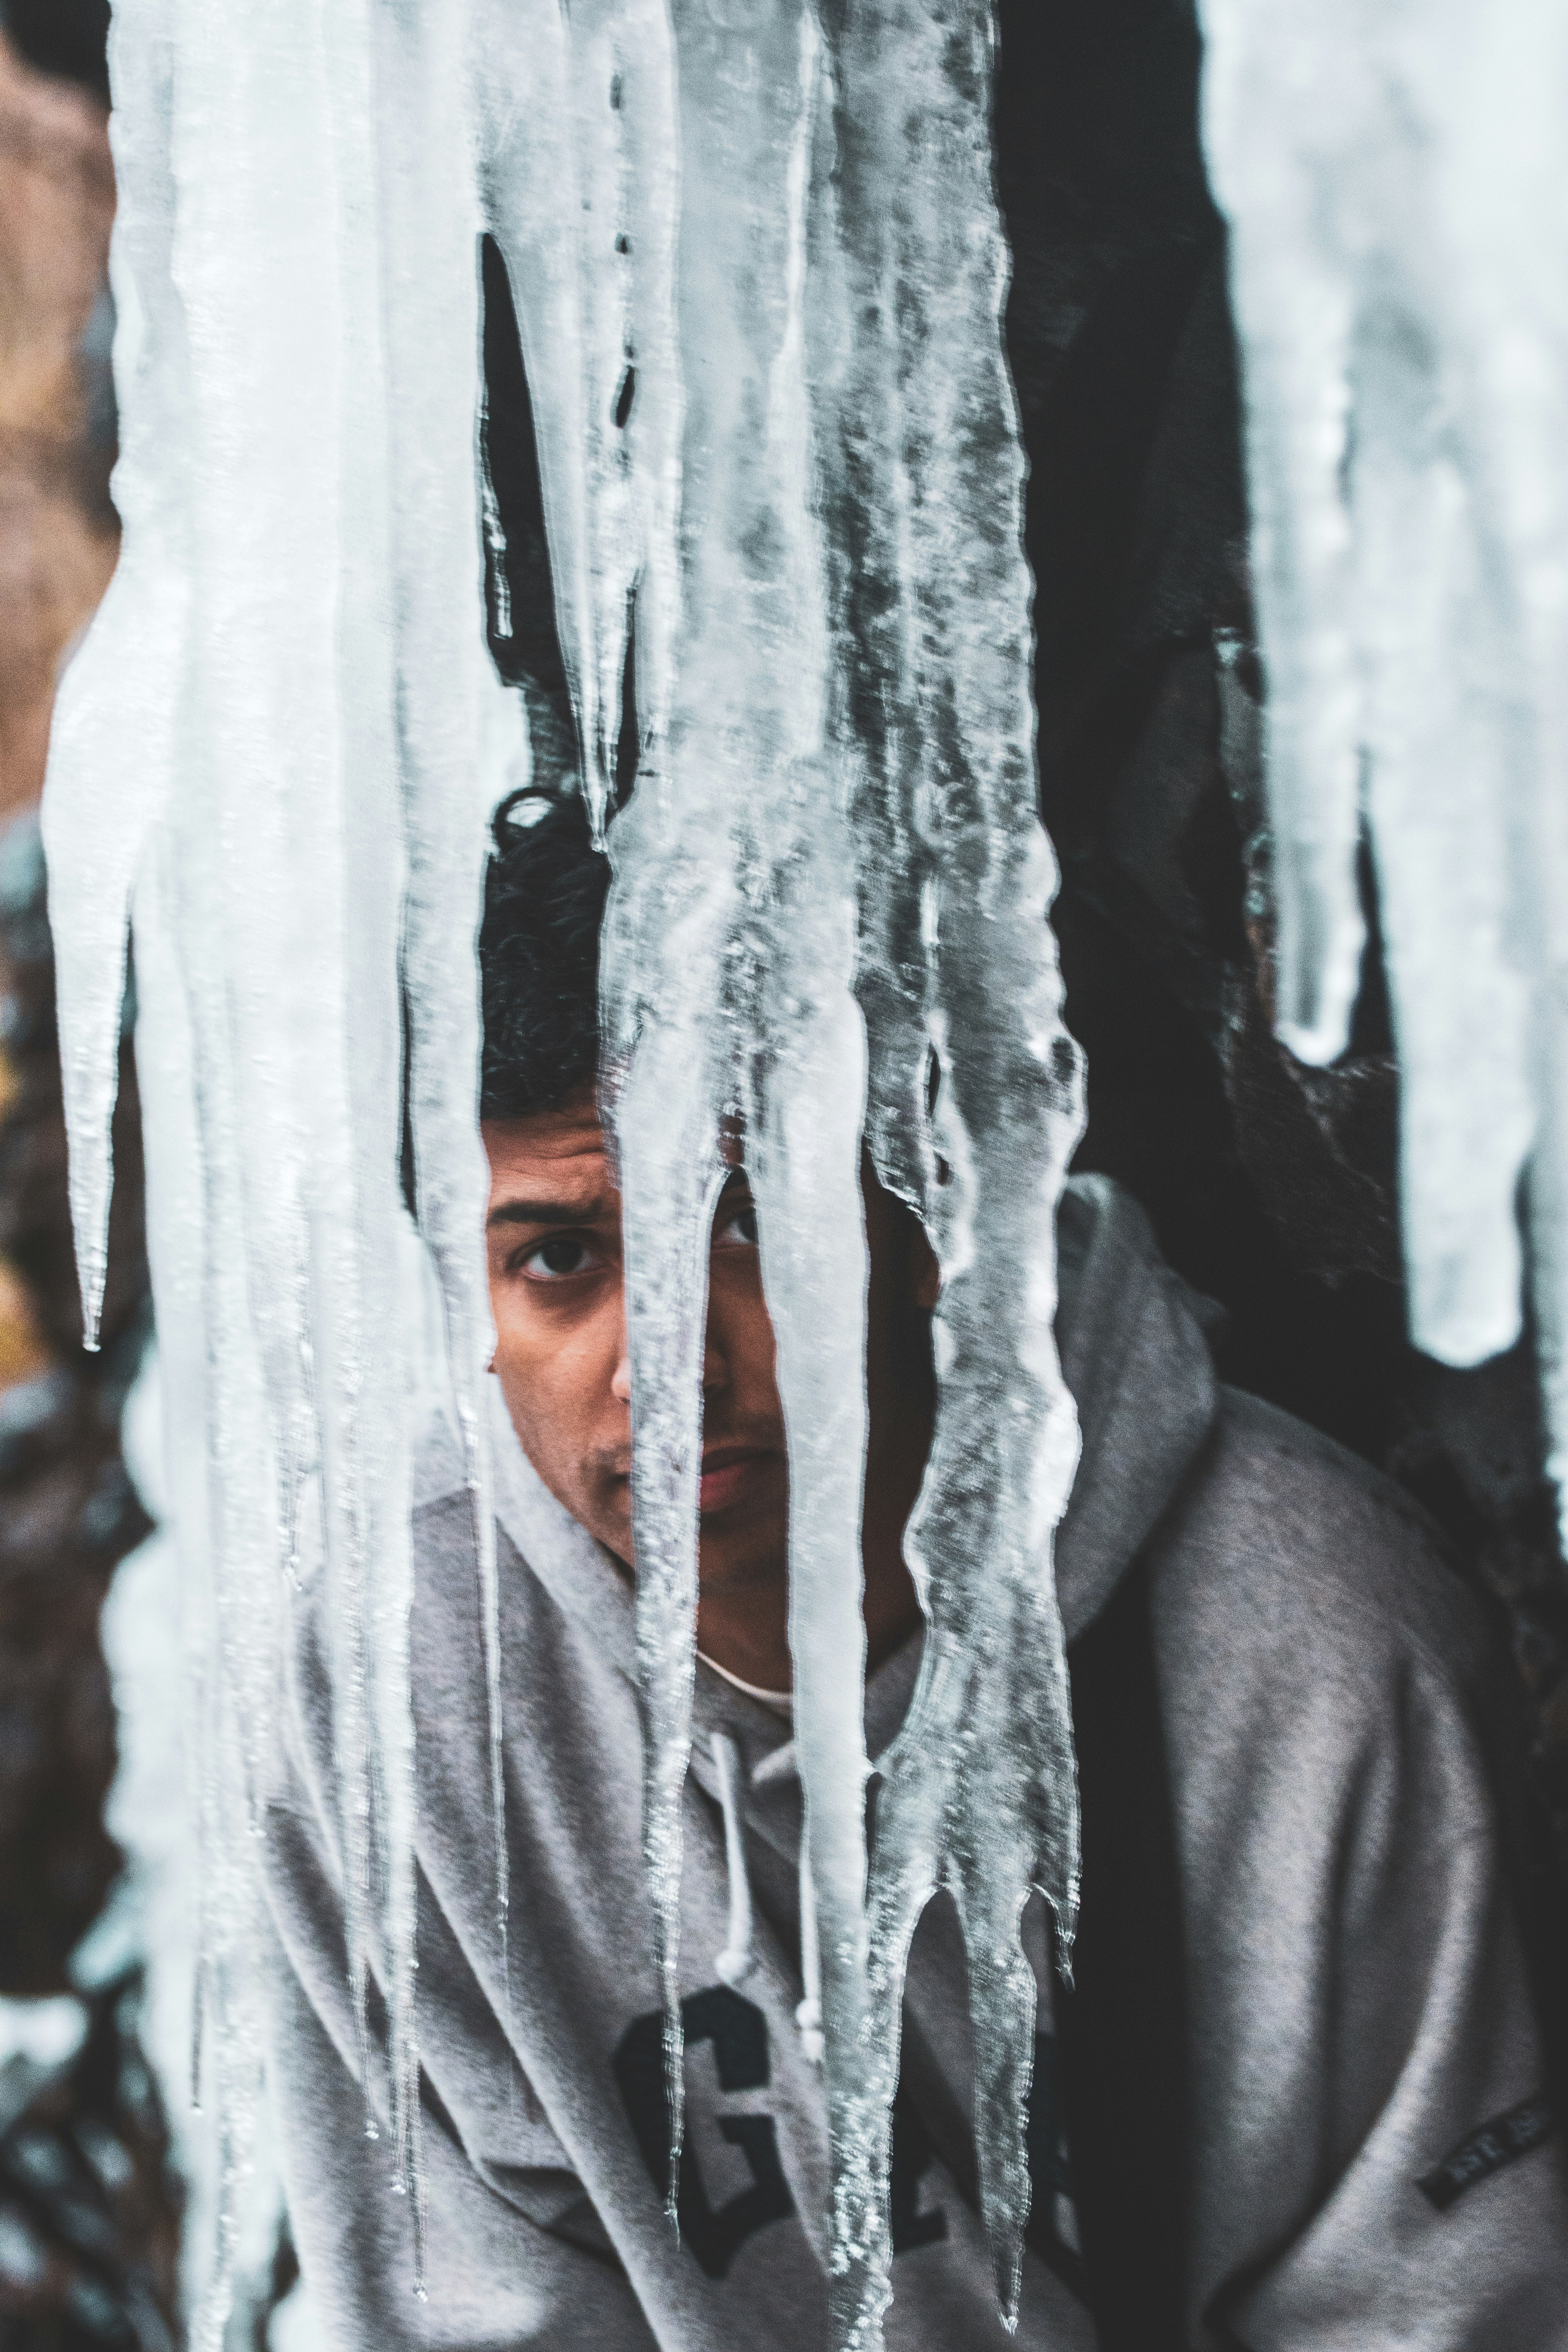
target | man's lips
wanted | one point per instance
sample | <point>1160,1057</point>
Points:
<point>729,1472</point>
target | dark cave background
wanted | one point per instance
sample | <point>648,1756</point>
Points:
<point>1271,1187</point>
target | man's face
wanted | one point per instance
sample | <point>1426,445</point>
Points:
<point>557,1296</point>
<point>556,1292</point>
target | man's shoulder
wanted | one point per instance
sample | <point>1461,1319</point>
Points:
<point>442,1520</point>
<point>447,1562</point>
<point>447,1600</point>
<point>564,1616</point>
<point>1286,1547</point>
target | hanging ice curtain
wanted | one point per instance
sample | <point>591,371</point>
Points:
<point>757,271</point>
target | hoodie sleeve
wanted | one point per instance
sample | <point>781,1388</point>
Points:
<point>1376,2165</point>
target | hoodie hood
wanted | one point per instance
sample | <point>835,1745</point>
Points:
<point>1136,1361</point>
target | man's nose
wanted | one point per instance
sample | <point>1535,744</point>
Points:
<point>715,1370</point>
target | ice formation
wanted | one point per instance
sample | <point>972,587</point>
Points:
<point>272,752</point>
<point>757,272</point>
<point>148,1922</point>
<point>1398,207</point>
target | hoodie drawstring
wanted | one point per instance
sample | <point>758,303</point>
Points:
<point>808,2016</point>
<point>735,1960</point>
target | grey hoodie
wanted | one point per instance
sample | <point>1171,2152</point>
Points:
<point>1371,2164</point>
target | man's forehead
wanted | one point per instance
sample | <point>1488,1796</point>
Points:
<point>562,1157</point>
<point>562,1149</point>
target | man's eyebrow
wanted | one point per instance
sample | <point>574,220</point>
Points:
<point>587,1212</point>
<point>545,1213</point>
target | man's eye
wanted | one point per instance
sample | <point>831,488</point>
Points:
<point>737,1227</point>
<point>562,1254</point>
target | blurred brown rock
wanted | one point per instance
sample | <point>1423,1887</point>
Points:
<point>89,2215</point>
<point>58,538</point>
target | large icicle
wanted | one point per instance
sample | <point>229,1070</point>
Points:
<point>303,845</point>
<point>1398,201</point>
<point>934,617</point>
<point>112,754</point>
<point>850,736</point>
<point>579,167</point>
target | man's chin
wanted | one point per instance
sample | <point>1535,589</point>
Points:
<point>728,1559</point>
<point>738,1549</point>
<point>609,1526</point>
<point>738,1562</point>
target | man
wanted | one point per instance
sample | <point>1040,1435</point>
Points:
<point>1296,2098</point>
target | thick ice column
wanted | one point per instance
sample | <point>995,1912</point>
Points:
<point>577,116</point>
<point>1398,204</point>
<point>729,964</point>
<point>263,920</point>
<point>112,748</point>
<point>836,795</point>
<point>455,732</point>
<point>956,880</point>
<point>302,840</point>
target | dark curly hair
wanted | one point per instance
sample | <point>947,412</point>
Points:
<point>539,955</point>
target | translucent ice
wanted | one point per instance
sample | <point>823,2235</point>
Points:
<point>271,755</point>
<point>757,273</point>
<point>830,905</point>
<point>1398,201</point>
<point>150,1919</point>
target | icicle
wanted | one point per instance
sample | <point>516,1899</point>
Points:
<point>850,707</point>
<point>1399,230</point>
<point>729,966</point>
<point>303,835</point>
<point>957,879</point>
<point>112,754</point>
<point>577,118</point>
<point>453,741</point>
